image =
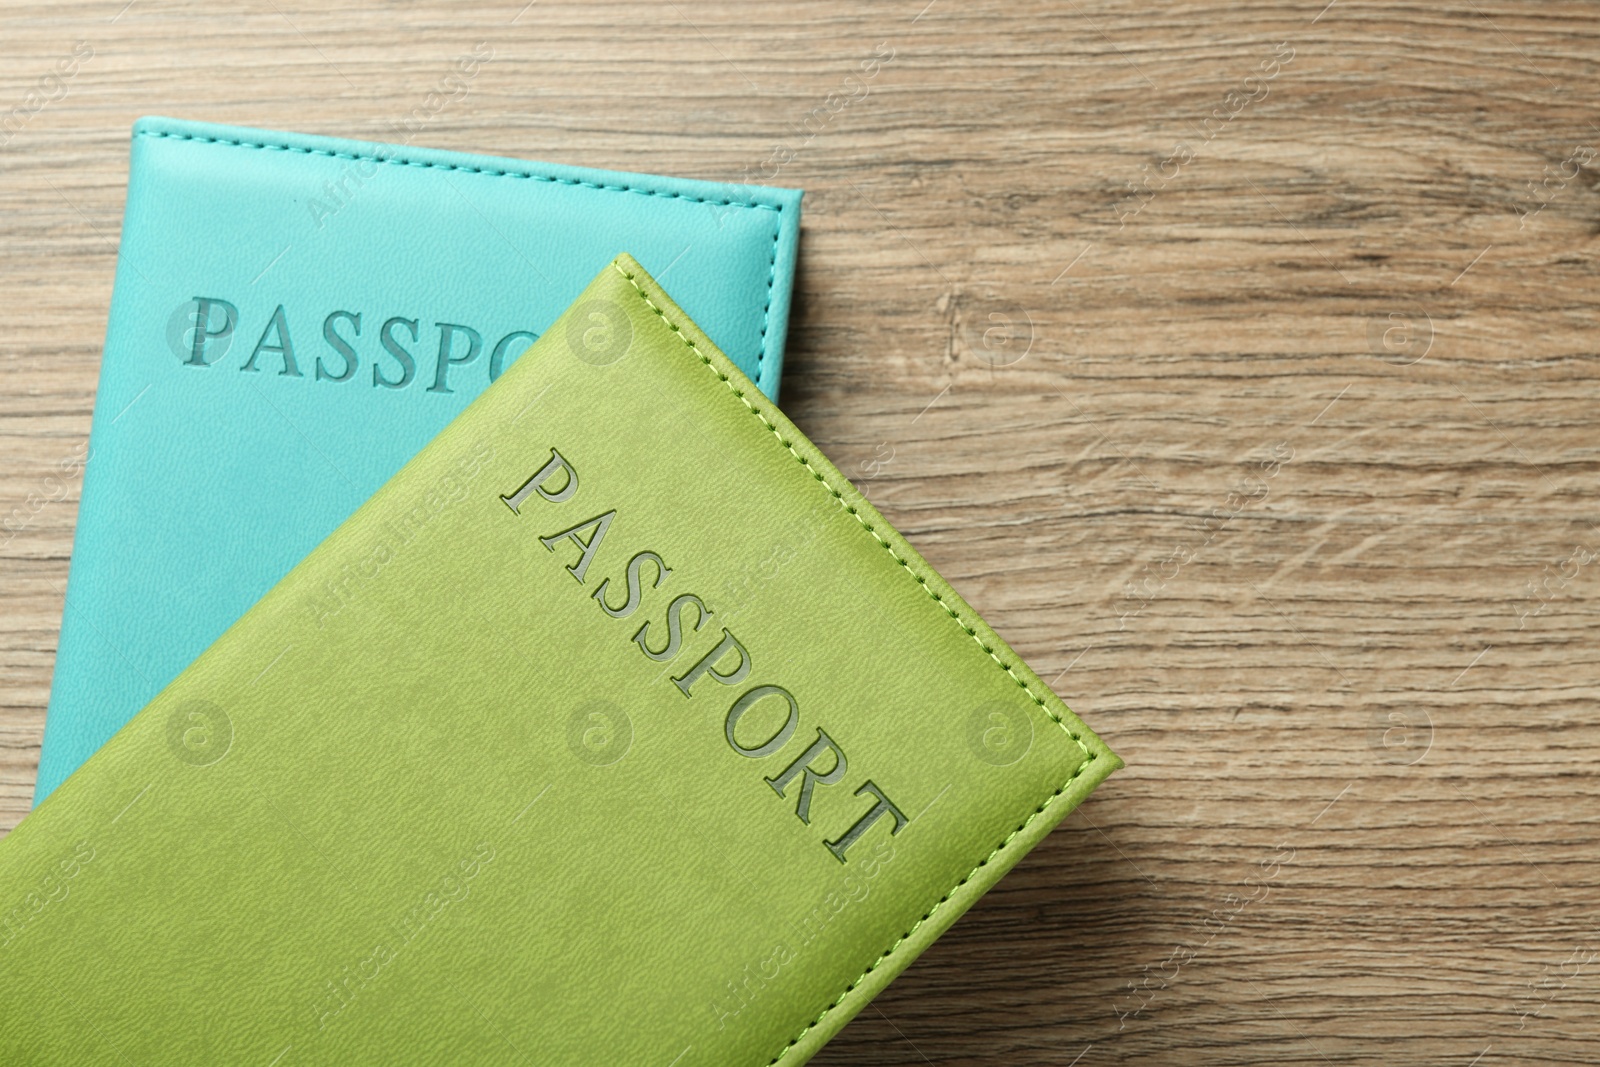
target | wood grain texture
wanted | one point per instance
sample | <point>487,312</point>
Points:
<point>1236,361</point>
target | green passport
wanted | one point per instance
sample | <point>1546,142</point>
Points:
<point>617,728</point>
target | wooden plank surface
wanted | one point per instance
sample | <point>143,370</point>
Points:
<point>1237,361</point>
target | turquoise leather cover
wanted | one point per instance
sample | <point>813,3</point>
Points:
<point>293,319</point>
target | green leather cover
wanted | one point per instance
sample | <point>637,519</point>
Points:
<point>617,728</point>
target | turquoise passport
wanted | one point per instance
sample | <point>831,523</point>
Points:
<point>293,318</point>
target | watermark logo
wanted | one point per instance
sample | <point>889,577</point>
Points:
<point>1401,736</point>
<point>199,732</point>
<point>999,733</point>
<point>999,336</point>
<point>200,331</point>
<point>1400,338</point>
<point>599,733</point>
<point>599,332</point>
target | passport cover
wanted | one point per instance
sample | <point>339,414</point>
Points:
<point>618,728</point>
<point>293,318</point>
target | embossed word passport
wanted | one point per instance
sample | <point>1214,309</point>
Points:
<point>293,318</point>
<point>545,756</point>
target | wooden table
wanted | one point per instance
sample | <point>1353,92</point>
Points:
<point>1236,361</point>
